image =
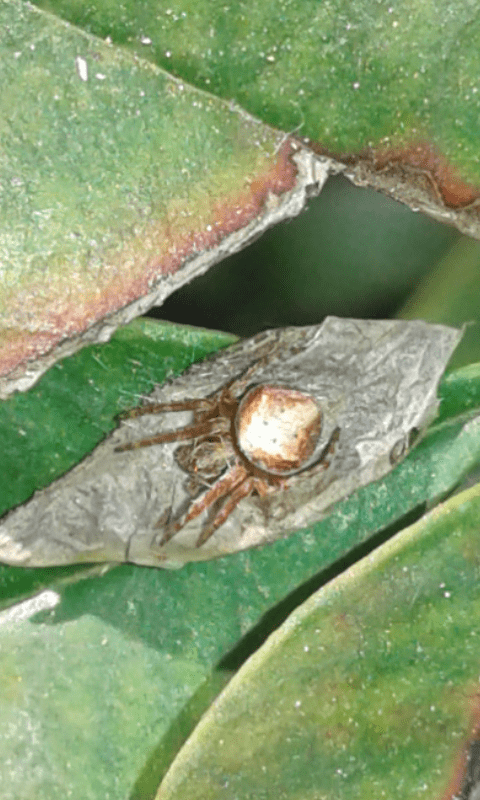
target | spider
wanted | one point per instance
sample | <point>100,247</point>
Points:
<point>243,441</point>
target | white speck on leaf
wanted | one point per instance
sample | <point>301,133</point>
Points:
<point>82,68</point>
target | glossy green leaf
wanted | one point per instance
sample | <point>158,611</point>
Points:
<point>370,689</point>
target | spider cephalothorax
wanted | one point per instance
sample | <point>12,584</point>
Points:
<point>241,442</point>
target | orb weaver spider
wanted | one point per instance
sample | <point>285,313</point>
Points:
<point>243,440</point>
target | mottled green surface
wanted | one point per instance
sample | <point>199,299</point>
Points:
<point>96,158</point>
<point>366,691</point>
<point>345,73</point>
<point>107,183</point>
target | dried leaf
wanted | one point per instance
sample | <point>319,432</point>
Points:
<point>376,382</point>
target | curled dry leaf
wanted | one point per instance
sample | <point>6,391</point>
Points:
<point>218,470</point>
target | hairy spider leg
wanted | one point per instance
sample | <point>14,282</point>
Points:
<point>177,405</point>
<point>234,477</point>
<point>201,403</point>
<point>237,385</point>
<point>243,489</point>
<point>208,427</point>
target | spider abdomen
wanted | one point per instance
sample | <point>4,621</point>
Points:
<point>278,428</point>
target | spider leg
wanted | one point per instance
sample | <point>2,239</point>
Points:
<point>243,489</point>
<point>157,408</point>
<point>263,488</point>
<point>237,385</point>
<point>233,478</point>
<point>210,427</point>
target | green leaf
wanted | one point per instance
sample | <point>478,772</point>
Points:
<point>109,183</point>
<point>345,74</point>
<point>367,690</point>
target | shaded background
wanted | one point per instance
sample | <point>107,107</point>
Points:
<point>353,252</point>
